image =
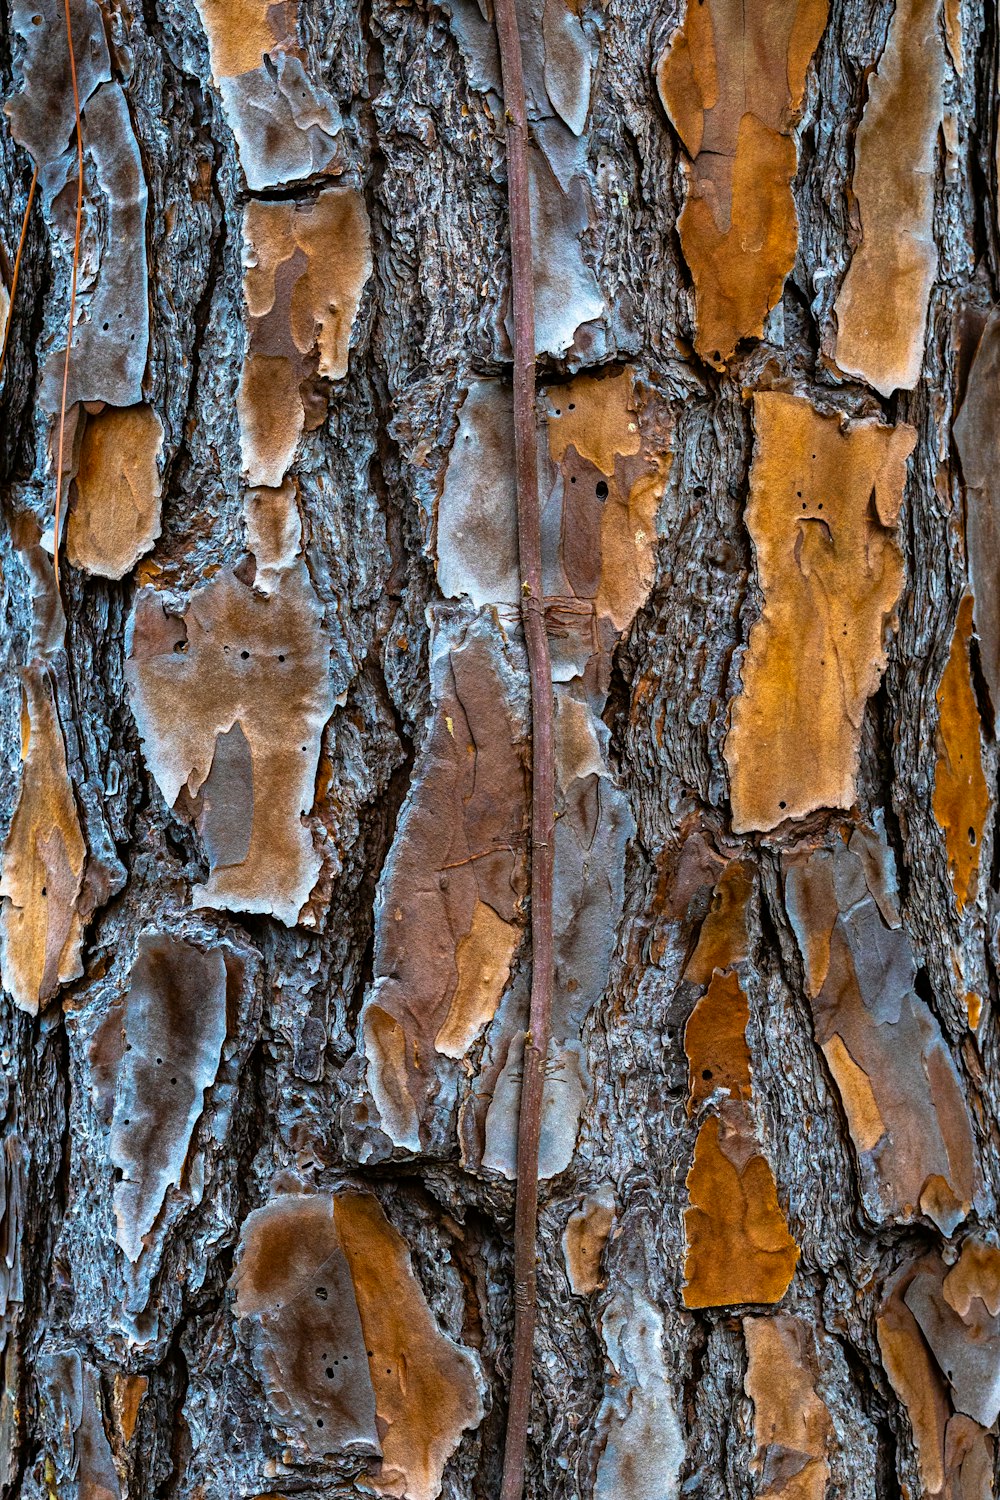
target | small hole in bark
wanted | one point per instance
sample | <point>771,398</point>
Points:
<point>602,490</point>
<point>321,1293</point>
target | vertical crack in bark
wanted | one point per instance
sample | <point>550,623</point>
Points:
<point>542,757</point>
<point>72,292</point>
<point>17,268</point>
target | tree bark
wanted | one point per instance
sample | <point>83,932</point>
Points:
<point>266,751</point>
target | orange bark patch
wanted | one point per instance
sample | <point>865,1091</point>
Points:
<point>584,1239</point>
<point>882,307</point>
<point>114,514</point>
<point>943,1362</point>
<point>916,1380</point>
<point>824,498</point>
<point>242,32</point>
<point>41,929</point>
<point>732,80</point>
<point>482,958</point>
<point>792,1427</point>
<point>129,1391</point>
<point>976,1274</point>
<point>231,695</point>
<point>306,267</point>
<point>450,907</point>
<point>722,941</point>
<point>961,796</point>
<point>427,1388</point>
<point>294,1294</point>
<point>715,1042</point>
<point>856,1095</point>
<point>738,1245</point>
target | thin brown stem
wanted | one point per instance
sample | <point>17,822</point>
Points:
<point>529,535</point>
<point>72,291</point>
<point>17,268</point>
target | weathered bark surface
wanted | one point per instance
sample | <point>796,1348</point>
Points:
<point>264,789</point>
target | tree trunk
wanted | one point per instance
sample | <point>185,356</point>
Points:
<point>265,785</point>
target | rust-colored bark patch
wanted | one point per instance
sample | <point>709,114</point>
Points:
<point>961,796</point>
<point>427,1388</point>
<point>732,80</point>
<point>129,1392</point>
<point>231,691</point>
<point>977,436</point>
<point>722,939</point>
<point>792,1427</point>
<point>295,1295</point>
<point>482,959</point>
<point>41,928</point>
<point>944,1365</point>
<point>450,910</point>
<point>114,514</point>
<point>715,1042</point>
<point>307,265</point>
<point>824,498</point>
<point>584,1238</point>
<point>882,307</point>
<point>901,1093</point>
<point>738,1245</point>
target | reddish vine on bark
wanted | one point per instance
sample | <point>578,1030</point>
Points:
<point>17,267</point>
<point>543,762</point>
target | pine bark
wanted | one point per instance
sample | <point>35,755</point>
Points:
<point>155,1376</point>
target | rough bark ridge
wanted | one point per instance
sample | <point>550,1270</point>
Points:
<point>265,759</point>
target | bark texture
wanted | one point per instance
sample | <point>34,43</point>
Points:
<point>265,756</point>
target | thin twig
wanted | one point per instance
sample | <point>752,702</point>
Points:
<point>529,537</point>
<point>17,268</point>
<point>72,290</point>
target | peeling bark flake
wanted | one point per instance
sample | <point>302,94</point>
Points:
<point>114,511</point>
<point>306,267</point>
<point>792,1427</point>
<point>881,311</point>
<point>732,80</point>
<point>428,1388</point>
<point>825,495</point>
<point>977,437</point>
<point>174,1026</point>
<point>584,1240</point>
<point>901,1093</point>
<point>738,1245</point>
<point>943,1364</point>
<point>225,657</point>
<point>287,126</point>
<point>41,927</point>
<point>961,796</point>
<point>295,1295</point>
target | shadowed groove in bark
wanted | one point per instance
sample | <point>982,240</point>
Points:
<point>529,539</point>
<point>72,291</point>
